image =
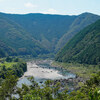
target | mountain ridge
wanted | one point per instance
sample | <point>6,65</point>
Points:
<point>38,34</point>
<point>76,26</point>
<point>15,37</point>
<point>84,47</point>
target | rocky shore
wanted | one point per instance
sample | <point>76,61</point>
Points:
<point>76,82</point>
<point>70,82</point>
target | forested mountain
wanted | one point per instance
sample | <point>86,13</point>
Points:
<point>5,50</point>
<point>48,29</point>
<point>84,47</point>
<point>34,34</point>
<point>79,23</point>
<point>14,40</point>
<point>52,31</point>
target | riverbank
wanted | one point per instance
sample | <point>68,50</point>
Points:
<point>83,72</point>
<point>33,69</point>
<point>42,70</point>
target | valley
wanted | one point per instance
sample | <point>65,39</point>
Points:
<point>39,34</point>
<point>49,57</point>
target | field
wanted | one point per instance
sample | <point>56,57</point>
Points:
<point>8,64</point>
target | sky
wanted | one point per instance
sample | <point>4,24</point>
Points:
<point>62,7</point>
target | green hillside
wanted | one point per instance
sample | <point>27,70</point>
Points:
<point>5,50</point>
<point>37,34</point>
<point>16,41</point>
<point>83,47</point>
<point>52,31</point>
<point>78,24</point>
<point>48,29</point>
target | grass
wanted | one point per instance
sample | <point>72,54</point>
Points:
<point>82,70</point>
<point>8,64</point>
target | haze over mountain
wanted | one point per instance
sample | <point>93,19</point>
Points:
<point>35,34</point>
<point>84,47</point>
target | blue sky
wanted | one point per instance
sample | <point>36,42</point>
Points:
<point>64,7</point>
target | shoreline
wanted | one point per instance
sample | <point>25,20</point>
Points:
<point>78,81</point>
<point>33,69</point>
<point>84,71</point>
<point>53,75</point>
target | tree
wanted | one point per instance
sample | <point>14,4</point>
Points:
<point>8,86</point>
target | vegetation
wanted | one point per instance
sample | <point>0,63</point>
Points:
<point>47,29</point>
<point>81,70</point>
<point>14,40</point>
<point>84,47</point>
<point>14,65</point>
<point>38,34</point>
<point>78,24</point>
<point>89,91</point>
<point>49,91</point>
<point>7,86</point>
<point>10,69</point>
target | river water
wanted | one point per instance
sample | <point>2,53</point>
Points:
<point>42,70</point>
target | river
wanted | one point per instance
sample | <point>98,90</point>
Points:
<point>42,70</point>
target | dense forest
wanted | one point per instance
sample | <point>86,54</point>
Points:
<point>84,47</point>
<point>38,34</point>
<point>20,43</point>
<point>89,91</point>
<point>14,65</point>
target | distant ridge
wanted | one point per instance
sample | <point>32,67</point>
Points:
<point>78,24</point>
<point>37,34</point>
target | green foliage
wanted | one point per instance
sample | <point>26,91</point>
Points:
<point>37,34</point>
<point>7,86</point>
<point>82,70</point>
<point>51,92</point>
<point>47,29</point>
<point>84,47</point>
<point>14,40</point>
<point>78,24</point>
<point>89,91</point>
<point>8,59</point>
<point>17,67</point>
<point>34,92</point>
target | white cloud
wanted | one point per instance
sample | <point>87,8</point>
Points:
<point>51,11</point>
<point>30,5</point>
